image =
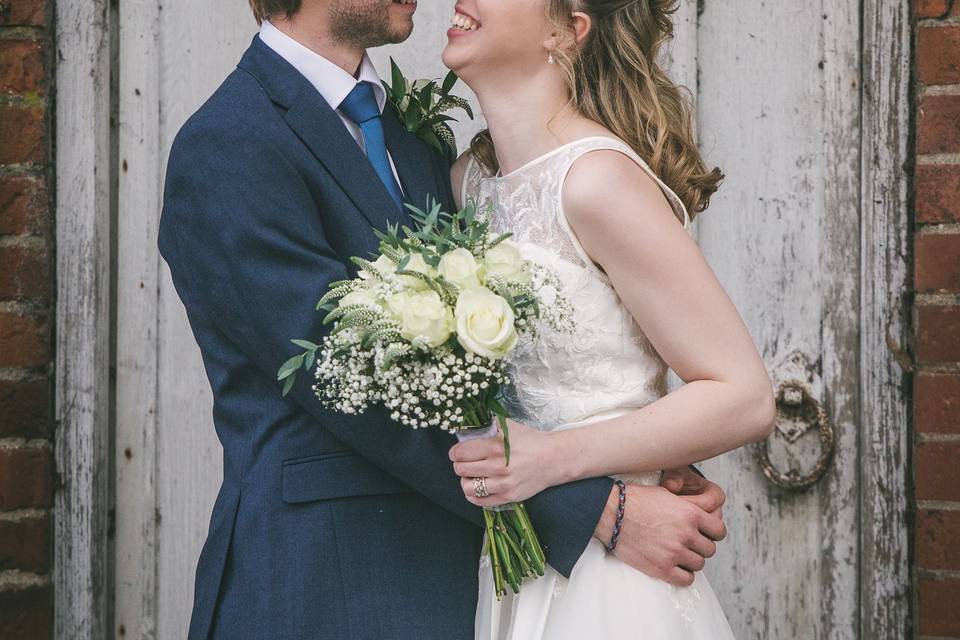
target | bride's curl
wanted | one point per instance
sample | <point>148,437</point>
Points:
<point>614,79</point>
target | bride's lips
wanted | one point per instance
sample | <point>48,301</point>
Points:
<point>463,23</point>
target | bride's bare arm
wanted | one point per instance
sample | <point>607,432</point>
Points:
<point>625,223</point>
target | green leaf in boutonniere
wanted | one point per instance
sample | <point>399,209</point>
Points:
<point>422,106</point>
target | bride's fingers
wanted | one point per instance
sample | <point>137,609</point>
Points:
<point>474,450</point>
<point>492,500</point>
<point>481,469</point>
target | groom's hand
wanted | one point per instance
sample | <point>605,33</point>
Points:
<point>684,481</point>
<point>664,535</point>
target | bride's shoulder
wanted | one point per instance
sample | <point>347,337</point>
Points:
<point>607,187</point>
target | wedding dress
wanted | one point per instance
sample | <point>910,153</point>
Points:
<point>605,368</point>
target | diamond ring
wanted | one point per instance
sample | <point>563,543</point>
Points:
<point>480,487</point>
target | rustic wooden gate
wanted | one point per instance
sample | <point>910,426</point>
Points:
<point>803,105</point>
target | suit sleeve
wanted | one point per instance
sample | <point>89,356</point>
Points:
<point>245,243</point>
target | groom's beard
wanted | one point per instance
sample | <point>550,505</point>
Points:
<point>366,23</point>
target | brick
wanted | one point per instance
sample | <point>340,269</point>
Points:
<point>24,273</point>
<point>25,477</point>
<point>936,195</point>
<point>24,340</point>
<point>931,8</point>
<point>938,611</point>
<point>23,206</point>
<point>938,124</point>
<point>25,544</point>
<point>937,266</point>
<point>23,13</point>
<point>938,333</point>
<point>21,67</point>
<point>938,55</point>
<point>27,614</point>
<point>25,409</point>
<point>938,471</point>
<point>21,133</point>
<point>936,402</point>
<point>938,533</point>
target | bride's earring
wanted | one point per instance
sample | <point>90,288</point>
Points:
<point>551,59</point>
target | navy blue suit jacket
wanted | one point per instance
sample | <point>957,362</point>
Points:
<point>325,525</point>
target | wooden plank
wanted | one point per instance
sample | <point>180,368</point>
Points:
<point>80,576</point>
<point>885,238</point>
<point>778,107</point>
<point>138,202</point>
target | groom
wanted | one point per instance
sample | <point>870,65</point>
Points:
<point>326,525</point>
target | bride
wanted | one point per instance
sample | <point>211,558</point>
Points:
<point>590,159</point>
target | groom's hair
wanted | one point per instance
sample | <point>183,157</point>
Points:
<point>265,9</point>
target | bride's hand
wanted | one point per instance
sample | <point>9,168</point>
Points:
<point>527,474</point>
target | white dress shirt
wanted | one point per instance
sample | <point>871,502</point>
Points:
<point>330,80</point>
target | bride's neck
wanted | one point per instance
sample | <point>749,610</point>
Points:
<point>526,118</point>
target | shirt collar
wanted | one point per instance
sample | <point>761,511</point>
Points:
<point>329,79</point>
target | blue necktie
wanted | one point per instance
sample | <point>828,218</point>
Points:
<point>361,107</point>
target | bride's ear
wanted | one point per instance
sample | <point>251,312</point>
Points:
<point>579,29</point>
<point>582,25</point>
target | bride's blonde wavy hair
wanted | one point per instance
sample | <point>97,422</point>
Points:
<point>614,79</point>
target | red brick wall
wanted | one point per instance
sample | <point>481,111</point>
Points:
<point>26,297</point>
<point>937,319</point>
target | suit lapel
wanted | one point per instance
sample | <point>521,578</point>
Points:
<point>413,162</point>
<point>321,130</point>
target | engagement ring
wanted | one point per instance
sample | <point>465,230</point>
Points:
<point>480,487</point>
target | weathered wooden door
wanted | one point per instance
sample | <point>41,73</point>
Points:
<point>793,234</point>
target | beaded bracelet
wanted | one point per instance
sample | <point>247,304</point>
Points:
<point>619,522</point>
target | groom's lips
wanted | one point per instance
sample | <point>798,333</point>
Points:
<point>409,5</point>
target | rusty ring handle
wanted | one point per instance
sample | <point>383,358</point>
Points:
<point>794,398</point>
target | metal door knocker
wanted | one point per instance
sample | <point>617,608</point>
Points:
<point>797,413</point>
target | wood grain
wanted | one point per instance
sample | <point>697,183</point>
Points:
<point>138,202</point>
<point>885,234</point>
<point>80,573</point>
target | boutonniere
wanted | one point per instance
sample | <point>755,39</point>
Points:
<point>423,106</point>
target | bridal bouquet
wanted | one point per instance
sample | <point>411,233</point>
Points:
<point>423,330</point>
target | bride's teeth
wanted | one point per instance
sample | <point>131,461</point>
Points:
<point>465,23</point>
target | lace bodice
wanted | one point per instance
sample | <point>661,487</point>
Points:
<point>607,366</point>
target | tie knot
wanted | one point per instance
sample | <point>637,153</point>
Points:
<point>360,105</point>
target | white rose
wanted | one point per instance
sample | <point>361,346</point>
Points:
<point>423,314</point>
<point>364,296</point>
<point>505,260</point>
<point>383,264</point>
<point>485,323</point>
<point>418,264</point>
<point>460,267</point>
<point>396,302</point>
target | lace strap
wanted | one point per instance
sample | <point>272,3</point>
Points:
<point>598,143</point>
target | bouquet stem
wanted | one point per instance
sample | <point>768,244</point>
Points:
<point>515,551</point>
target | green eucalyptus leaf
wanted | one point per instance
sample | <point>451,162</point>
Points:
<point>290,366</point>
<point>448,82</point>
<point>399,82</point>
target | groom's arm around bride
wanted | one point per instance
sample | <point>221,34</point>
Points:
<point>326,525</point>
